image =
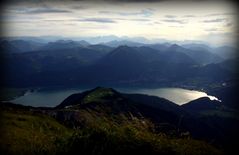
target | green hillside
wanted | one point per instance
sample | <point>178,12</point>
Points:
<point>100,121</point>
<point>23,132</point>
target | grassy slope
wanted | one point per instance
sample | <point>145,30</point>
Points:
<point>128,139</point>
<point>25,133</point>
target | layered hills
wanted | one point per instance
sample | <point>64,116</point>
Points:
<point>78,62</point>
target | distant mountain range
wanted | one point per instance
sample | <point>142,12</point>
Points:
<point>35,43</point>
<point>66,62</point>
<point>110,38</point>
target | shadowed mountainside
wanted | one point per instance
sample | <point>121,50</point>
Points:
<point>80,62</point>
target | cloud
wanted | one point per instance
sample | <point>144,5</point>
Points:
<point>43,10</point>
<point>98,20</point>
<point>106,12</point>
<point>133,19</point>
<point>138,1</point>
<point>145,13</point>
<point>170,16</point>
<point>211,29</point>
<point>218,20</point>
<point>221,14</point>
<point>140,20</point>
<point>176,26</point>
<point>78,7</point>
<point>56,20</point>
<point>228,24</point>
<point>189,16</point>
<point>174,21</point>
<point>157,23</point>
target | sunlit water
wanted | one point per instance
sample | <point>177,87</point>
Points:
<point>177,95</point>
<point>51,98</point>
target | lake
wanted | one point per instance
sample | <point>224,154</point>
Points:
<point>51,98</point>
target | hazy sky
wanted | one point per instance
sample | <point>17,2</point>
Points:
<point>212,21</point>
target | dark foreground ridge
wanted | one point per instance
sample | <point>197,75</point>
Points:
<point>104,121</point>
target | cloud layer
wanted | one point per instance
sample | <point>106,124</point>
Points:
<point>154,19</point>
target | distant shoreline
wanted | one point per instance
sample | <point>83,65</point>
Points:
<point>18,92</point>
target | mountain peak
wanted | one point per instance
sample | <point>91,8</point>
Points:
<point>103,88</point>
<point>123,51</point>
<point>96,95</point>
<point>117,43</point>
<point>123,47</point>
<point>175,46</point>
<point>83,43</point>
<point>102,92</point>
<point>63,41</point>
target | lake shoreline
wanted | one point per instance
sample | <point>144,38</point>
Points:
<point>52,96</point>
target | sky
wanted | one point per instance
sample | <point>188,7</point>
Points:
<point>209,21</point>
